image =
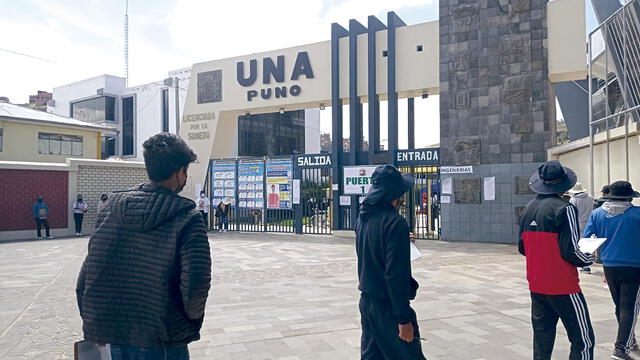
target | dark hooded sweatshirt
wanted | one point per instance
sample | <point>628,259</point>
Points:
<point>384,256</point>
<point>147,274</point>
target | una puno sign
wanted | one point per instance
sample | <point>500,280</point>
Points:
<point>428,157</point>
<point>276,71</point>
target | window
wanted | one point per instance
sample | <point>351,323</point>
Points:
<point>108,146</point>
<point>271,134</point>
<point>127,126</point>
<point>95,110</point>
<point>165,110</point>
<point>58,144</point>
<point>1,135</point>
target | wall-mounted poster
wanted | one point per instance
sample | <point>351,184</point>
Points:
<point>279,176</point>
<point>250,178</point>
<point>223,184</point>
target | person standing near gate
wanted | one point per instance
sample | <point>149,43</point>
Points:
<point>203,205</point>
<point>79,208</point>
<point>389,325</point>
<point>144,284</point>
<point>584,204</point>
<point>222,213</point>
<point>549,239</point>
<point>618,221</point>
<point>40,213</point>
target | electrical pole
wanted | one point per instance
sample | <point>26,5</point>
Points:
<point>177,88</point>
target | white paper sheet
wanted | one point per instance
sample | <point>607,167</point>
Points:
<point>490,188</point>
<point>445,199</point>
<point>447,185</point>
<point>415,253</point>
<point>590,245</point>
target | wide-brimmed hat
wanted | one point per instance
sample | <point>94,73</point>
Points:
<point>552,178</point>
<point>577,189</point>
<point>621,190</point>
<point>226,201</point>
<point>389,183</point>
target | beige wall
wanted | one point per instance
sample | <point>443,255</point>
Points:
<point>576,155</point>
<point>20,142</point>
<point>567,39</point>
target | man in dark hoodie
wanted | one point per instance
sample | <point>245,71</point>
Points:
<point>145,281</point>
<point>389,325</point>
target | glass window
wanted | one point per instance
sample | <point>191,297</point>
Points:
<point>165,110</point>
<point>95,110</point>
<point>56,144</point>
<point>271,134</point>
<point>127,126</point>
<point>1,136</point>
<point>108,146</point>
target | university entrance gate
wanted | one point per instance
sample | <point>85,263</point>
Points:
<point>293,194</point>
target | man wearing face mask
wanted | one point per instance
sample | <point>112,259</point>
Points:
<point>143,286</point>
<point>389,325</point>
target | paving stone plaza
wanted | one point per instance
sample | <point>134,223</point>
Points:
<point>294,297</point>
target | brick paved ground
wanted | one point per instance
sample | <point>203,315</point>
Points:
<point>293,297</point>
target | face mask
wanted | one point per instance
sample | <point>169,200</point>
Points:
<point>181,187</point>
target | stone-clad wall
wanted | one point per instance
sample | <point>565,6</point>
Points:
<point>494,108</point>
<point>95,180</point>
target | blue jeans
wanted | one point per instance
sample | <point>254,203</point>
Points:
<point>123,352</point>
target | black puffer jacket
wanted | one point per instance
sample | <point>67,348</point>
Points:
<point>147,275</point>
<point>384,255</point>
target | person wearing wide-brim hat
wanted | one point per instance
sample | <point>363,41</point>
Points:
<point>549,234</point>
<point>389,325</point>
<point>618,220</point>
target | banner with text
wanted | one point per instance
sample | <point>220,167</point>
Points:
<point>279,175</point>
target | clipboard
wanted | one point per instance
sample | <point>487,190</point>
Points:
<point>415,253</point>
<point>590,245</point>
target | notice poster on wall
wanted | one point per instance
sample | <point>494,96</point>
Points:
<point>250,184</point>
<point>279,176</point>
<point>224,180</point>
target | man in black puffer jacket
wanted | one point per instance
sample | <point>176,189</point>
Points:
<point>389,325</point>
<point>145,281</point>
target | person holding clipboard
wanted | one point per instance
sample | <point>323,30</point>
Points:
<point>618,220</point>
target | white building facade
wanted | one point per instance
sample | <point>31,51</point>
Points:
<point>141,111</point>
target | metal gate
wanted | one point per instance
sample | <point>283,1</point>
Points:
<point>316,200</point>
<point>422,203</point>
<point>314,207</point>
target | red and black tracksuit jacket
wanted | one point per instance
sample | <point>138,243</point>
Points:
<point>549,234</point>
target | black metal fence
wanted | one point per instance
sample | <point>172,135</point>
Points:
<point>316,200</point>
<point>422,203</point>
<point>294,194</point>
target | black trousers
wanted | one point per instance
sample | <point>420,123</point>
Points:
<point>205,216</point>
<point>572,310</point>
<point>77,218</point>
<point>380,339</point>
<point>624,285</point>
<point>39,223</point>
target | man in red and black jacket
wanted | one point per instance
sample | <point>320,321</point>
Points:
<point>549,234</point>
